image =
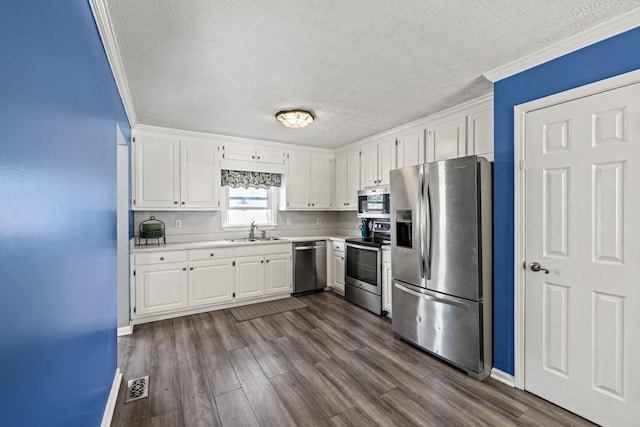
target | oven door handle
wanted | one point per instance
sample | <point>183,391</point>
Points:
<point>366,248</point>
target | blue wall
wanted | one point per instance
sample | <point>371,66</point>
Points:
<point>58,110</point>
<point>608,58</point>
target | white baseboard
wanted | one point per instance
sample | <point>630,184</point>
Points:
<point>126,330</point>
<point>503,377</point>
<point>113,397</point>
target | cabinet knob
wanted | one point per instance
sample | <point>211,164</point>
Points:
<point>267,261</point>
<point>313,204</point>
<point>258,157</point>
<point>183,203</point>
<point>190,268</point>
<point>175,202</point>
<point>253,157</point>
<point>184,268</point>
<point>211,254</point>
<point>161,258</point>
<point>308,204</point>
<point>262,262</point>
<point>342,257</point>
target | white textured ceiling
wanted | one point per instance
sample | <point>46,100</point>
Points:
<point>363,66</point>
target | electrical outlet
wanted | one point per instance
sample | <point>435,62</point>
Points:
<point>178,223</point>
<point>288,221</point>
<point>318,220</point>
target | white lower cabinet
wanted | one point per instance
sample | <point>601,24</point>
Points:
<point>336,275</point>
<point>173,283</point>
<point>161,288</point>
<point>210,282</point>
<point>249,277</point>
<point>387,281</point>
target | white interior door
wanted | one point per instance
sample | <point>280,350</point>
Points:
<point>582,209</point>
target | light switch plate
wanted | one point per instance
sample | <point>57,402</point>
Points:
<point>178,223</point>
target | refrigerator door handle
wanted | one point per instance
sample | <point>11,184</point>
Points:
<point>422,230</point>
<point>431,297</point>
<point>428,232</point>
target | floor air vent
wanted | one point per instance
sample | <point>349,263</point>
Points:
<point>137,388</point>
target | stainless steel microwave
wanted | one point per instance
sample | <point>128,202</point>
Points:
<point>374,203</point>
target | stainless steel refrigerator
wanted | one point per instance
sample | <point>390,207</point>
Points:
<point>441,260</point>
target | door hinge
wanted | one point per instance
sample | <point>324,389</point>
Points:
<point>523,165</point>
<point>287,156</point>
<point>134,202</point>
<point>134,309</point>
<point>134,139</point>
<point>233,264</point>
<point>134,272</point>
<point>396,142</point>
<point>234,295</point>
<point>218,202</point>
<point>223,155</point>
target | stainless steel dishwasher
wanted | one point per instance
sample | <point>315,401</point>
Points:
<point>309,266</point>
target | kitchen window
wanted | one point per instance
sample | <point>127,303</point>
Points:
<point>249,197</point>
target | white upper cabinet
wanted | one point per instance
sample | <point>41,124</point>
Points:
<point>347,180</point>
<point>480,133</point>
<point>199,177</point>
<point>446,139</point>
<point>308,182</point>
<point>410,147</point>
<point>377,160</point>
<point>254,154</point>
<point>171,174</point>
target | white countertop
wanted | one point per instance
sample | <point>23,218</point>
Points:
<point>224,243</point>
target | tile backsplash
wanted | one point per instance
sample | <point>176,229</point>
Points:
<point>207,225</point>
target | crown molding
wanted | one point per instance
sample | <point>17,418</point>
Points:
<point>480,103</point>
<point>164,132</point>
<point>105,29</point>
<point>618,25</point>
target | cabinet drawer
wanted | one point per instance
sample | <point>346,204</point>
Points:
<point>160,257</point>
<point>337,246</point>
<point>253,250</point>
<point>213,253</point>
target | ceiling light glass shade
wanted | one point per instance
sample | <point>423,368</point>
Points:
<point>295,118</point>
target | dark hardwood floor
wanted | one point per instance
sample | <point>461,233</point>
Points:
<point>329,364</point>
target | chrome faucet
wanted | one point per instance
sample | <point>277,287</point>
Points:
<point>252,232</point>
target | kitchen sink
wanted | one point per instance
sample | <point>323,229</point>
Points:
<point>259,239</point>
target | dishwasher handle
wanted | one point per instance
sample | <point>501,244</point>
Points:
<point>304,248</point>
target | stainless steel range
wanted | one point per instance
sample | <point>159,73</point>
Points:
<point>364,267</point>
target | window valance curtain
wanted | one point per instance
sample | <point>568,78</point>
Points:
<point>246,179</point>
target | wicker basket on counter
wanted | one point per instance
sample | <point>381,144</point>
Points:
<point>151,229</point>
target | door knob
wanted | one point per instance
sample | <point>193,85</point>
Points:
<point>535,266</point>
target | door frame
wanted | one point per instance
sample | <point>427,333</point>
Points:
<point>520,112</point>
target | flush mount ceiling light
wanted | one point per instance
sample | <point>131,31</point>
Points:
<point>295,118</point>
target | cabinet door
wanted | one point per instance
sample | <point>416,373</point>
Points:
<point>320,181</point>
<point>277,274</point>
<point>448,140</point>
<point>160,288</point>
<point>210,282</point>
<point>386,161</point>
<point>200,176</point>
<point>387,283</point>
<point>410,148</point>
<point>341,183</point>
<point>249,280</point>
<point>353,179</point>
<point>243,152</point>
<point>157,172</point>
<point>337,279</point>
<point>369,166</point>
<point>274,157</point>
<point>298,185</point>
<point>480,126</point>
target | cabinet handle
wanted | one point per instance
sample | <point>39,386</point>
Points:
<point>175,202</point>
<point>211,254</point>
<point>161,258</point>
<point>184,268</point>
<point>190,268</point>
